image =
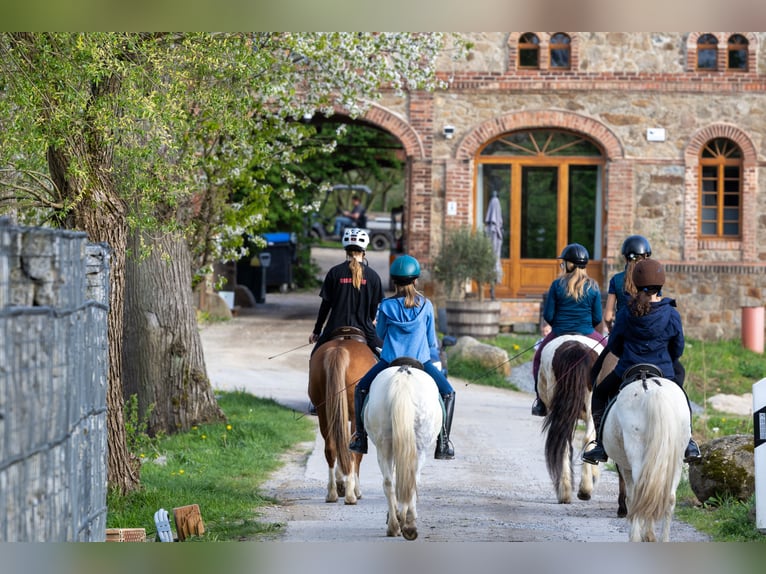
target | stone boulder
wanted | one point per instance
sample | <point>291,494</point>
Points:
<point>488,357</point>
<point>727,468</point>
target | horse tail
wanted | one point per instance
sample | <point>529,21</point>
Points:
<point>571,366</point>
<point>653,493</point>
<point>403,431</point>
<point>336,362</point>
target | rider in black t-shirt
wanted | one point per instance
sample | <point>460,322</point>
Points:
<point>350,294</point>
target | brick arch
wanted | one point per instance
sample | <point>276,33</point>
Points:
<point>595,130</point>
<point>399,127</point>
<point>693,247</point>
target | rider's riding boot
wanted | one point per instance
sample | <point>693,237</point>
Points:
<point>538,408</point>
<point>359,440</point>
<point>444,450</point>
<point>597,453</point>
<point>692,453</point>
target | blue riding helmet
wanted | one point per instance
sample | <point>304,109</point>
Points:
<point>404,270</point>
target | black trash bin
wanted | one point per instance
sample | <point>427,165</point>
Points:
<point>252,272</point>
<point>282,248</point>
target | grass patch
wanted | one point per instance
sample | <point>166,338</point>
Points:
<point>520,349</point>
<point>218,466</point>
<point>725,519</point>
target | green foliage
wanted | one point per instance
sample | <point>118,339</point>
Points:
<point>465,255</point>
<point>724,519</point>
<point>217,466</point>
<point>138,440</point>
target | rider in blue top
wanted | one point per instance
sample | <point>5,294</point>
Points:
<point>572,306</point>
<point>406,324</point>
<point>648,330</point>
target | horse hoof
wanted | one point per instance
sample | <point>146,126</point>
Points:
<point>622,513</point>
<point>583,496</point>
<point>341,491</point>
<point>410,533</point>
<point>350,501</point>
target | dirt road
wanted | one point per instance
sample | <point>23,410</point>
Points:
<point>496,489</point>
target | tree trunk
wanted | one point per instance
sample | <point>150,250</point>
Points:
<point>102,215</point>
<point>163,359</point>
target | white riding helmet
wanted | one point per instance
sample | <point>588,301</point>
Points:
<point>354,237</point>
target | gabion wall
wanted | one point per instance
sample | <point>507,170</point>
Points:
<point>53,381</point>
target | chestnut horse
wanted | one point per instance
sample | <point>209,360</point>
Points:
<point>334,370</point>
<point>564,385</point>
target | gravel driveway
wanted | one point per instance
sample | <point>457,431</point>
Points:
<point>496,489</point>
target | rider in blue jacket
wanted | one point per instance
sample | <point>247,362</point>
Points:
<point>647,330</point>
<point>406,324</point>
<point>572,306</point>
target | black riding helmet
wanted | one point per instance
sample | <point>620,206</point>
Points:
<point>576,254</point>
<point>636,247</point>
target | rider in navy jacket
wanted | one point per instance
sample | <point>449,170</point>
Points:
<point>648,330</point>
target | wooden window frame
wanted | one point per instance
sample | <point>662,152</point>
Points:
<point>707,45</point>
<point>720,162</point>
<point>525,46</point>
<point>742,45</point>
<point>562,46</point>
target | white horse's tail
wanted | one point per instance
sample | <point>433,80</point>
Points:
<point>403,429</point>
<point>653,493</point>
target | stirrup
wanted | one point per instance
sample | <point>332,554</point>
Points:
<point>595,455</point>
<point>692,453</point>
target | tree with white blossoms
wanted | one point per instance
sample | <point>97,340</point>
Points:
<point>140,139</point>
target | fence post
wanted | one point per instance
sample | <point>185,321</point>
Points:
<point>759,435</point>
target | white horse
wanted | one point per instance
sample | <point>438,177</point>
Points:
<point>564,386</point>
<point>403,418</point>
<point>645,433</point>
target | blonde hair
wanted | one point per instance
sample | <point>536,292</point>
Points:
<point>355,259</point>
<point>410,294</point>
<point>576,280</point>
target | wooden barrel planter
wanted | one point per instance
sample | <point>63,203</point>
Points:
<point>478,319</point>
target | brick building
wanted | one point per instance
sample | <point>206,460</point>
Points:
<point>591,137</point>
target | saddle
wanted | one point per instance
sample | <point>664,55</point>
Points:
<point>639,371</point>
<point>353,333</point>
<point>407,362</point>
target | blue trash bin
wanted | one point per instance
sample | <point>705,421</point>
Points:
<point>282,247</point>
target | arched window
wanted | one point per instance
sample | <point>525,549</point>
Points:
<point>736,57</point>
<point>707,52</point>
<point>560,49</point>
<point>720,190</point>
<point>529,51</point>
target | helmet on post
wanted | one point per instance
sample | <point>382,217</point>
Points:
<point>649,273</point>
<point>576,254</point>
<point>404,270</point>
<point>636,247</point>
<point>355,239</point>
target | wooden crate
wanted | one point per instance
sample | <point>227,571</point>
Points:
<point>188,521</point>
<point>126,535</point>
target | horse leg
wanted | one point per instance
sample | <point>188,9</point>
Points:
<point>588,472</point>
<point>332,484</point>
<point>386,463</point>
<point>357,460</point>
<point>622,507</point>
<point>410,516</point>
<point>351,484</point>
